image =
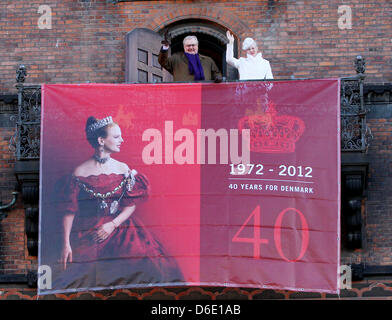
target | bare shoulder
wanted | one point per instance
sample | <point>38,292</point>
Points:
<point>120,167</point>
<point>83,169</point>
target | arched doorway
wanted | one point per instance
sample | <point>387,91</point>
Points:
<point>212,41</point>
<point>143,45</point>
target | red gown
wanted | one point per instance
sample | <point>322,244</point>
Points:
<point>131,256</point>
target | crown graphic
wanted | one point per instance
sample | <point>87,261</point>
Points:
<point>125,118</point>
<point>271,132</point>
<point>189,119</point>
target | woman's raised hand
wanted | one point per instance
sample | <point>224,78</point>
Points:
<point>230,37</point>
<point>66,256</point>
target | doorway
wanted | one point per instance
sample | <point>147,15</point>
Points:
<point>143,46</point>
<point>212,41</point>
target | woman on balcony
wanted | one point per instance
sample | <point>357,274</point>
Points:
<point>104,244</point>
<point>253,67</point>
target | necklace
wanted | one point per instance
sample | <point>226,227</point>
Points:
<point>100,160</point>
<point>129,181</point>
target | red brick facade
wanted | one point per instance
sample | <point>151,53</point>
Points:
<point>86,41</point>
<point>379,198</point>
<point>301,39</point>
<point>373,289</point>
<point>14,258</point>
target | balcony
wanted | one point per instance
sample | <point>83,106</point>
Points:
<point>355,136</point>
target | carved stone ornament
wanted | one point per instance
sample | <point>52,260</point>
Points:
<point>21,74</point>
<point>360,64</point>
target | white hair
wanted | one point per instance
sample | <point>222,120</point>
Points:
<point>190,38</point>
<point>248,42</point>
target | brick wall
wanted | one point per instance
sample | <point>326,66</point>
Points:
<point>86,41</point>
<point>14,258</point>
<point>372,289</point>
<point>300,38</point>
<point>379,196</point>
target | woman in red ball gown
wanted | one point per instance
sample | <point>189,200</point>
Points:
<point>104,245</point>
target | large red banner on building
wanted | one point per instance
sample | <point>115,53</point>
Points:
<point>229,184</point>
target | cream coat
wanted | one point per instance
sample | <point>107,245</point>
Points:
<point>249,68</point>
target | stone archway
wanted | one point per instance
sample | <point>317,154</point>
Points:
<point>212,41</point>
<point>214,15</point>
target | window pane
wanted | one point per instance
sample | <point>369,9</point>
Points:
<point>155,62</point>
<point>156,78</point>
<point>142,56</point>
<point>142,76</point>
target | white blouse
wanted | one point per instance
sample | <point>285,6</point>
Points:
<point>249,68</point>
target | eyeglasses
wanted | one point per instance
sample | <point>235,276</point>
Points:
<point>191,45</point>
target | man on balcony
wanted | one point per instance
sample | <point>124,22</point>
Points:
<point>189,66</point>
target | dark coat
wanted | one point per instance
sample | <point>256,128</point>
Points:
<point>177,65</point>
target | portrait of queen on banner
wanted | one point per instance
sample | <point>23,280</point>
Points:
<point>103,243</point>
<point>231,184</point>
<point>97,202</point>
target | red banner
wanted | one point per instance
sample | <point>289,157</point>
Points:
<point>230,184</point>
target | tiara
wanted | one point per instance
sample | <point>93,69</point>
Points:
<point>99,124</point>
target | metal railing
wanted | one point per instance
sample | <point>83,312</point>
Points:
<point>355,134</point>
<point>28,122</point>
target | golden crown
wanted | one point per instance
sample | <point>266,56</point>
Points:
<point>270,132</point>
<point>189,119</point>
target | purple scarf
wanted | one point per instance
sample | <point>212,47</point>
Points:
<point>195,66</point>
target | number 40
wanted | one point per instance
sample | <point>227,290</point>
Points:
<point>257,241</point>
